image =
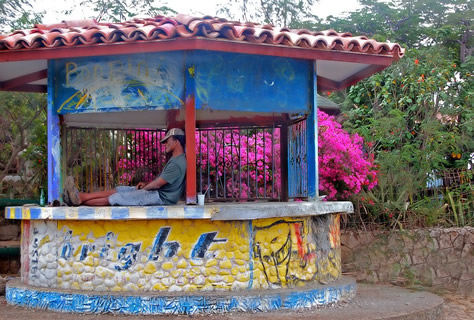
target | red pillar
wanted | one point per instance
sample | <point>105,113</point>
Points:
<point>190,129</point>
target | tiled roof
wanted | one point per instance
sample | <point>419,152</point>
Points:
<point>88,32</point>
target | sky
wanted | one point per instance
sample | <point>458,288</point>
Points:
<point>198,7</point>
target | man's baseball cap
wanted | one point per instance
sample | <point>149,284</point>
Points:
<point>172,132</point>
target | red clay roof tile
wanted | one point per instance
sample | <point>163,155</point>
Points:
<point>88,31</point>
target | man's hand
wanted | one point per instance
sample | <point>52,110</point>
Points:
<point>141,185</point>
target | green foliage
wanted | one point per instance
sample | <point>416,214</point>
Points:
<point>36,153</point>
<point>413,23</point>
<point>414,115</point>
<point>288,13</point>
<point>16,14</point>
<point>23,132</point>
<point>122,10</point>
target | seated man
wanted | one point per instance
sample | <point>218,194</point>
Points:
<point>164,190</point>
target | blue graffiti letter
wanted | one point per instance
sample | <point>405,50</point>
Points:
<point>128,255</point>
<point>203,244</point>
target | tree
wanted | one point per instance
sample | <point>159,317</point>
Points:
<point>16,14</point>
<point>23,126</point>
<point>415,116</point>
<point>414,23</point>
<point>285,13</point>
<point>121,10</point>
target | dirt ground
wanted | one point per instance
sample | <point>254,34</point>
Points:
<point>456,307</point>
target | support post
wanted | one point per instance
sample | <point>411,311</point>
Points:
<point>54,138</point>
<point>190,129</point>
<point>312,137</point>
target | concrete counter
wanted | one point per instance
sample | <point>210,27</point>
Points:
<point>213,211</point>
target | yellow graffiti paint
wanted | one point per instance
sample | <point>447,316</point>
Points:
<point>81,100</point>
<point>44,240</point>
<point>187,255</point>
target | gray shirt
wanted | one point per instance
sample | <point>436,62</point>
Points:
<point>174,173</point>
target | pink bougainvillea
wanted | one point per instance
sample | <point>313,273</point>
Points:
<point>246,164</point>
<point>343,167</point>
<point>240,161</point>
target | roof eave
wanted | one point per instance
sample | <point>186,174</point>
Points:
<point>377,62</point>
<point>196,43</point>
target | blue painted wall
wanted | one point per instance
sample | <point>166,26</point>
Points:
<point>116,83</point>
<point>224,81</point>
<point>241,82</point>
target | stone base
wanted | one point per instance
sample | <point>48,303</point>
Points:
<point>188,304</point>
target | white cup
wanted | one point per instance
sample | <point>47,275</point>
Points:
<point>201,199</point>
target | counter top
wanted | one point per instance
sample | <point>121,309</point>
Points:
<point>212,211</point>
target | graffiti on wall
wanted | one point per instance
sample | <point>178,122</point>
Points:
<point>115,83</point>
<point>181,255</point>
<point>127,254</point>
<point>292,252</point>
<point>223,81</point>
<point>285,251</point>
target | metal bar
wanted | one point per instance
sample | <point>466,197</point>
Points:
<point>94,162</point>
<point>77,162</point>
<point>216,163</point>
<point>264,164</point>
<point>224,186</point>
<point>240,165</point>
<point>208,165</point>
<point>200,161</point>
<point>113,160</point>
<point>154,154</point>
<point>232,160</point>
<point>284,162</point>
<point>248,167</point>
<point>256,164</point>
<point>140,157</point>
<point>135,156</point>
<point>158,154</point>
<point>66,147</point>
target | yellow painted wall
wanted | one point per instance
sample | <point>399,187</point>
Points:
<point>183,255</point>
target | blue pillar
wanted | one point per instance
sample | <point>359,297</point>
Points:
<point>54,137</point>
<point>312,138</point>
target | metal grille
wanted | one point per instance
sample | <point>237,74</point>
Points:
<point>241,163</point>
<point>297,160</point>
<point>101,159</point>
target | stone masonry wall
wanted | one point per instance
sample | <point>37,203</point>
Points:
<point>439,258</point>
<point>181,255</point>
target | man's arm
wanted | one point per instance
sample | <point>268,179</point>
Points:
<point>155,184</point>
<point>169,173</point>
